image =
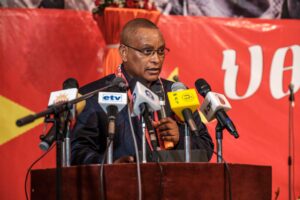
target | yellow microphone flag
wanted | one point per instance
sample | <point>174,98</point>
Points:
<point>180,100</point>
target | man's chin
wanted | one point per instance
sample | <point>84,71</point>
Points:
<point>151,78</point>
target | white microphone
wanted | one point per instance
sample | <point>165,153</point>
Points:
<point>61,96</point>
<point>68,93</point>
<point>214,106</point>
<point>212,103</point>
<point>112,103</point>
<point>144,102</point>
<point>143,96</point>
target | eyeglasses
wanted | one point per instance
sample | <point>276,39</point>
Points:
<point>150,52</point>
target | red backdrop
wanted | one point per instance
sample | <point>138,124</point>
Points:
<point>250,61</point>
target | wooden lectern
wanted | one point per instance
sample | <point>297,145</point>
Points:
<point>172,181</point>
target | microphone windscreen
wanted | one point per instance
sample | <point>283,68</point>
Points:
<point>70,83</point>
<point>178,86</point>
<point>176,78</point>
<point>80,105</point>
<point>132,84</point>
<point>291,87</point>
<point>202,86</point>
<point>157,89</point>
<point>133,81</point>
<point>120,83</point>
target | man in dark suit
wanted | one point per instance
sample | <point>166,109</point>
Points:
<point>142,49</point>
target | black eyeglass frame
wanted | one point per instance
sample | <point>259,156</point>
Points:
<point>165,50</point>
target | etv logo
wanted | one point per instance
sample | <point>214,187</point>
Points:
<point>115,98</point>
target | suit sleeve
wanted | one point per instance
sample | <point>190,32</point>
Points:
<point>88,143</point>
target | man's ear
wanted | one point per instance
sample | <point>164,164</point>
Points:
<point>123,51</point>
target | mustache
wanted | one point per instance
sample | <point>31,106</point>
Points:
<point>153,69</point>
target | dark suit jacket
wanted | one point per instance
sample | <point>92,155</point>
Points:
<point>90,131</point>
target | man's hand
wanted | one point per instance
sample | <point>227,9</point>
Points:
<point>168,130</point>
<point>125,159</point>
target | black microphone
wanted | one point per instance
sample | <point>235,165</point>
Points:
<point>70,83</point>
<point>292,96</point>
<point>120,83</point>
<point>158,90</point>
<point>48,139</point>
<point>205,90</point>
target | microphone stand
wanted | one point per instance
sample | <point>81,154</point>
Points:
<point>58,123</point>
<point>152,134</point>
<point>219,138</point>
<point>57,110</point>
<point>109,159</point>
<point>110,141</point>
<point>66,151</point>
<point>290,142</point>
<point>144,151</point>
<point>187,144</point>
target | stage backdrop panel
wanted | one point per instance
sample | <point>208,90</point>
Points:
<point>252,62</point>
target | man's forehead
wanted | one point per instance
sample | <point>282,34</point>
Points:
<point>147,35</point>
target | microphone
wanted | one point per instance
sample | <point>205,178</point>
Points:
<point>214,106</point>
<point>157,89</point>
<point>292,96</point>
<point>183,103</point>
<point>112,103</point>
<point>144,98</point>
<point>48,139</point>
<point>176,78</point>
<point>57,108</point>
<point>144,102</point>
<point>70,83</point>
<point>69,92</point>
<point>120,83</point>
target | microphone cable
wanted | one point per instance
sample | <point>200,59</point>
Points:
<point>291,145</point>
<point>155,158</point>
<point>161,171</point>
<point>138,162</point>
<point>139,179</point>
<point>102,194</point>
<point>31,166</point>
<point>138,166</point>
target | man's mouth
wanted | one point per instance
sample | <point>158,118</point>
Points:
<point>153,70</point>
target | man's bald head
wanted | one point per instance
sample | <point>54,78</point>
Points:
<point>132,26</point>
<point>142,49</point>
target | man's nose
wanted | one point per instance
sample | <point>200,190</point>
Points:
<point>155,57</point>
